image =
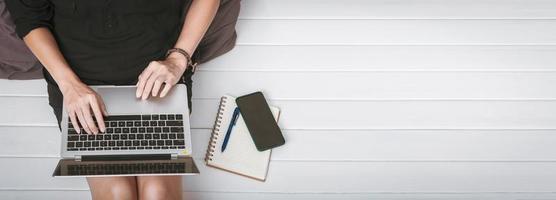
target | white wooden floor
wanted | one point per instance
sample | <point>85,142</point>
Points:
<point>381,99</point>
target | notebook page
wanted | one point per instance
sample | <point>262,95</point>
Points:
<point>241,155</point>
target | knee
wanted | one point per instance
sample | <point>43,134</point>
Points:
<point>158,190</point>
<point>116,190</point>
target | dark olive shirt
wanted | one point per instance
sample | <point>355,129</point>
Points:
<point>109,41</point>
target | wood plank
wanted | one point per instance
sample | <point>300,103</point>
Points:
<point>377,85</point>
<point>329,177</point>
<point>354,145</point>
<point>356,84</point>
<point>400,9</point>
<point>345,114</point>
<point>385,58</point>
<point>395,32</point>
<point>81,194</point>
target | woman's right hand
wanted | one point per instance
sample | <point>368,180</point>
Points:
<point>81,103</point>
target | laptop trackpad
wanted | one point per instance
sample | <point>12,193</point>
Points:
<point>122,100</point>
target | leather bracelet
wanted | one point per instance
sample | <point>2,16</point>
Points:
<point>186,55</point>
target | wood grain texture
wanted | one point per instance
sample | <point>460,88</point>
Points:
<point>398,9</point>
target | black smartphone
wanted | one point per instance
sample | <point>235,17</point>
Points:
<point>260,122</point>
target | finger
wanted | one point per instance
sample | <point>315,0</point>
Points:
<point>167,87</point>
<point>148,86</point>
<point>98,114</point>
<point>145,75</point>
<point>74,122</point>
<point>156,87</point>
<point>86,109</point>
<point>82,121</point>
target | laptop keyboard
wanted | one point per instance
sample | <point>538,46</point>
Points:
<point>132,132</point>
<point>131,168</point>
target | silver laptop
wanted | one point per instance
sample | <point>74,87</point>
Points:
<point>143,137</point>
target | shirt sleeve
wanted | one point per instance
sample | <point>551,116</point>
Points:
<point>30,14</point>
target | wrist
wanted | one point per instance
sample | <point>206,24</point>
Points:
<point>66,83</point>
<point>178,59</point>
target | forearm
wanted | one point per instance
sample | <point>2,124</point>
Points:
<point>198,19</point>
<point>44,47</point>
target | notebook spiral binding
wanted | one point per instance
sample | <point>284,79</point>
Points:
<point>215,130</point>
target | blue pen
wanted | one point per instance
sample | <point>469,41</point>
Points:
<point>229,131</point>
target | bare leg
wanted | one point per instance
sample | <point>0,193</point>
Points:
<point>159,187</point>
<point>113,187</point>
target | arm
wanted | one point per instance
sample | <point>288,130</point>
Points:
<point>79,99</point>
<point>32,19</point>
<point>167,72</point>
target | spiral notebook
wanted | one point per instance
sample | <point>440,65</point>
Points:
<point>241,155</point>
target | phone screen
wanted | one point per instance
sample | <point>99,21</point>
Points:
<point>260,122</point>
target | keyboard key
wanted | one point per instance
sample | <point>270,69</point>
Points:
<point>179,116</point>
<point>152,142</point>
<point>116,137</point>
<point>72,131</point>
<point>119,143</point>
<point>148,147</point>
<point>129,124</point>
<point>140,147</point>
<point>164,147</point>
<point>142,130</point>
<point>103,143</point>
<point>111,143</point>
<point>123,117</point>
<point>168,142</point>
<point>90,149</point>
<point>137,123</point>
<point>156,136</point>
<point>153,123</point>
<point>133,130</point>
<point>127,143</point>
<point>72,149</point>
<point>71,144</point>
<point>156,147</point>
<point>171,117</point>
<point>165,129</point>
<point>164,136</point>
<point>82,137</point>
<point>177,129</point>
<point>146,123</point>
<point>123,136</point>
<point>140,136</point>
<point>107,137</point>
<point>96,143</point>
<point>154,117</point>
<point>179,142</point>
<point>121,124</point>
<point>73,138</point>
<point>146,117</point>
<point>172,136</point>
<point>113,124</point>
<point>98,148</point>
<point>132,148</point>
<point>109,130</point>
<point>136,143</point>
<point>144,143</point>
<point>118,130</point>
<point>161,123</point>
<point>131,136</point>
<point>91,137</point>
<point>157,130</point>
<point>162,117</point>
<point>87,144</point>
<point>148,136</point>
<point>106,124</point>
<point>180,135</point>
<point>150,130</point>
<point>100,137</point>
<point>125,130</point>
<point>174,123</point>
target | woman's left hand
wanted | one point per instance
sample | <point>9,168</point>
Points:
<point>162,74</point>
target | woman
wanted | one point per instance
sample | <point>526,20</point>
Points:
<point>113,42</point>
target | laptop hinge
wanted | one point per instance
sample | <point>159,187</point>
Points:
<point>77,157</point>
<point>174,156</point>
<point>126,157</point>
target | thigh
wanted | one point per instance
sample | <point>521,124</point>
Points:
<point>159,187</point>
<point>113,187</point>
